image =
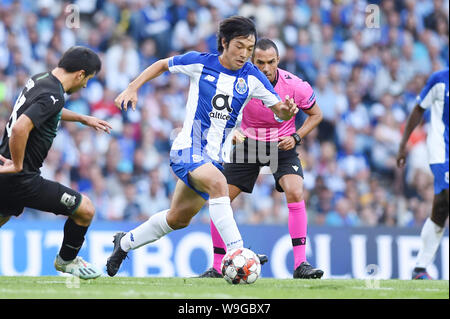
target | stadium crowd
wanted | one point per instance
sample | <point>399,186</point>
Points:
<point>366,60</point>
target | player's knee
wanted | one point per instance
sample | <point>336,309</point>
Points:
<point>87,210</point>
<point>177,223</point>
<point>294,195</point>
<point>218,188</point>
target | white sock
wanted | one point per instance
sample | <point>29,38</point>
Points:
<point>431,236</point>
<point>151,230</point>
<point>222,216</point>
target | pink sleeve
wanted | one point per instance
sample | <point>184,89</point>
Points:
<point>304,95</point>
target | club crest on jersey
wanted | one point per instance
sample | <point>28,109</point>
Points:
<point>241,86</point>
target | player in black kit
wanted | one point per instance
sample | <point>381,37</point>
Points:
<point>27,139</point>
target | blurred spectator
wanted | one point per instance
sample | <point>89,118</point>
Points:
<point>365,79</point>
<point>121,64</point>
<point>343,215</point>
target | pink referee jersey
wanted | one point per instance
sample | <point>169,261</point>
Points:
<point>260,123</point>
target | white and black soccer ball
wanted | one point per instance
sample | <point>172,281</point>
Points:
<point>240,266</point>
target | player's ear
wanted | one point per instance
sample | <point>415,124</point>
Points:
<point>81,74</point>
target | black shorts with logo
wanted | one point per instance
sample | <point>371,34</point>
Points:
<point>18,191</point>
<point>249,157</point>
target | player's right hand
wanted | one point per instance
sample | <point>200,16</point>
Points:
<point>8,166</point>
<point>238,137</point>
<point>126,99</point>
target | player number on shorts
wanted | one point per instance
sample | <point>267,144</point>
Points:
<point>19,102</point>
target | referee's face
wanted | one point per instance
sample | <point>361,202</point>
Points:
<point>267,62</point>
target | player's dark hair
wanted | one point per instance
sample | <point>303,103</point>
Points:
<point>233,27</point>
<point>265,44</point>
<point>80,58</point>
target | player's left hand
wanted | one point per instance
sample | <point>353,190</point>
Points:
<point>286,143</point>
<point>97,124</point>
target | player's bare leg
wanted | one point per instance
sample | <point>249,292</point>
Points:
<point>293,187</point>
<point>75,229</point>
<point>185,205</point>
<point>4,220</point>
<point>207,178</point>
<point>233,192</point>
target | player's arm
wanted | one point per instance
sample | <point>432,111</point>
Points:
<point>17,145</point>
<point>95,123</point>
<point>285,110</point>
<point>129,96</point>
<point>413,120</point>
<point>314,118</point>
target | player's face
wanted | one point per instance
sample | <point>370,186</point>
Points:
<point>80,82</point>
<point>267,62</point>
<point>238,51</point>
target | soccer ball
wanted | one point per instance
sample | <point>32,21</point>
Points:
<point>240,266</point>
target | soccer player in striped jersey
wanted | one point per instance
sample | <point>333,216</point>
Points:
<point>262,132</point>
<point>220,86</point>
<point>434,97</point>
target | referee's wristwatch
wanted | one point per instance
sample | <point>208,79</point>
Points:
<point>297,138</point>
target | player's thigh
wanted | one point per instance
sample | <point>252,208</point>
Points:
<point>209,179</point>
<point>439,212</point>
<point>233,191</point>
<point>241,175</point>
<point>186,203</point>
<point>53,197</point>
<point>292,185</point>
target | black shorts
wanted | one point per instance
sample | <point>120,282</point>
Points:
<point>34,191</point>
<point>248,158</point>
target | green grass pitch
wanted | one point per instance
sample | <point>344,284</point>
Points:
<point>57,287</point>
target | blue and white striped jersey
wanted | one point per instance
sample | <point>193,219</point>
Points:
<point>216,98</point>
<point>434,96</point>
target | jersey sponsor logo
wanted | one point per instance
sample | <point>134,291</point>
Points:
<point>241,86</point>
<point>221,102</point>
<point>295,167</point>
<point>68,200</point>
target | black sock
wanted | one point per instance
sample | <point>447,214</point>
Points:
<point>73,240</point>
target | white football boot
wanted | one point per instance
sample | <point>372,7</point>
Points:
<point>77,267</point>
